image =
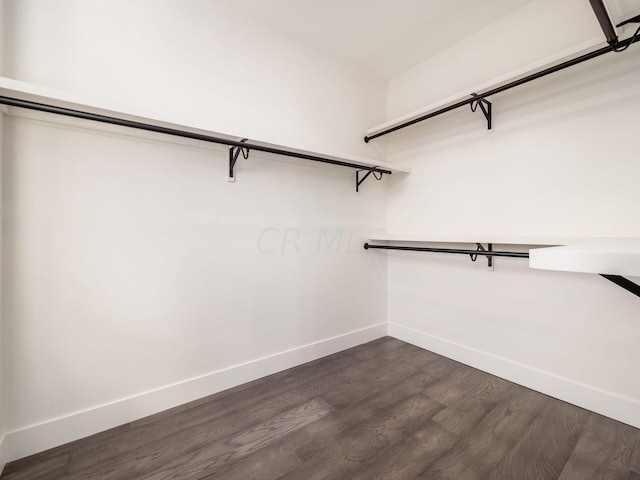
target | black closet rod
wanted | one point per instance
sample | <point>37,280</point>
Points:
<point>515,83</point>
<point>41,107</point>
<point>482,253</point>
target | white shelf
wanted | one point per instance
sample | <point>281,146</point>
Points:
<point>613,257</point>
<point>601,255</point>
<point>496,82</point>
<point>495,239</point>
<point>36,93</point>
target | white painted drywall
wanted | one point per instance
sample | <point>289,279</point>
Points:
<point>382,37</point>
<point>538,30</point>
<point>562,161</point>
<point>131,266</point>
<point>2,413</point>
<point>2,362</point>
<point>130,263</point>
<point>2,35</point>
<point>1,356</point>
<point>182,59</point>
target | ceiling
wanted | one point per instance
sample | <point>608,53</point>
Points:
<point>382,36</point>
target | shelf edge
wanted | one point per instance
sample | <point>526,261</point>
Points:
<point>36,93</point>
<point>534,67</point>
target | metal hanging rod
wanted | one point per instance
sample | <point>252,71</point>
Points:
<point>619,280</point>
<point>480,251</point>
<point>475,97</point>
<point>245,147</point>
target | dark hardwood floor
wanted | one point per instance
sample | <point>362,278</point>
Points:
<point>383,410</point>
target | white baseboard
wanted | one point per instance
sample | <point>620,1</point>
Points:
<point>623,409</point>
<point>58,431</point>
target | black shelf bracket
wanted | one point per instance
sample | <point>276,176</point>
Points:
<point>377,176</point>
<point>234,153</point>
<point>485,108</point>
<point>635,19</point>
<point>623,282</point>
<point>484,251</point>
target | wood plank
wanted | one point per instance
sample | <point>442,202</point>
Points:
<point>199,463</point>
<point>437,365</point>
<point>53,467</point>
<point>462,415</point>
<point>546,446</point>
<point>267,464</point>
<point>455,387</point>
<point>356,415</point>
<point>481,449</point>
<point>635,458</point>
<point>605,450</point>
<point>411,456</point>
<point>340,459</point>
<point>258,437</point>
<point>373,375</point>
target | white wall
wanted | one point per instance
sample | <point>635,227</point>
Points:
<point>131,265</point>
<point>2,35</point>
<point>2,409</point>
<point>562,161</point>
<point>2,430</point>
<point>538,30</point>
<point>182,59</point>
